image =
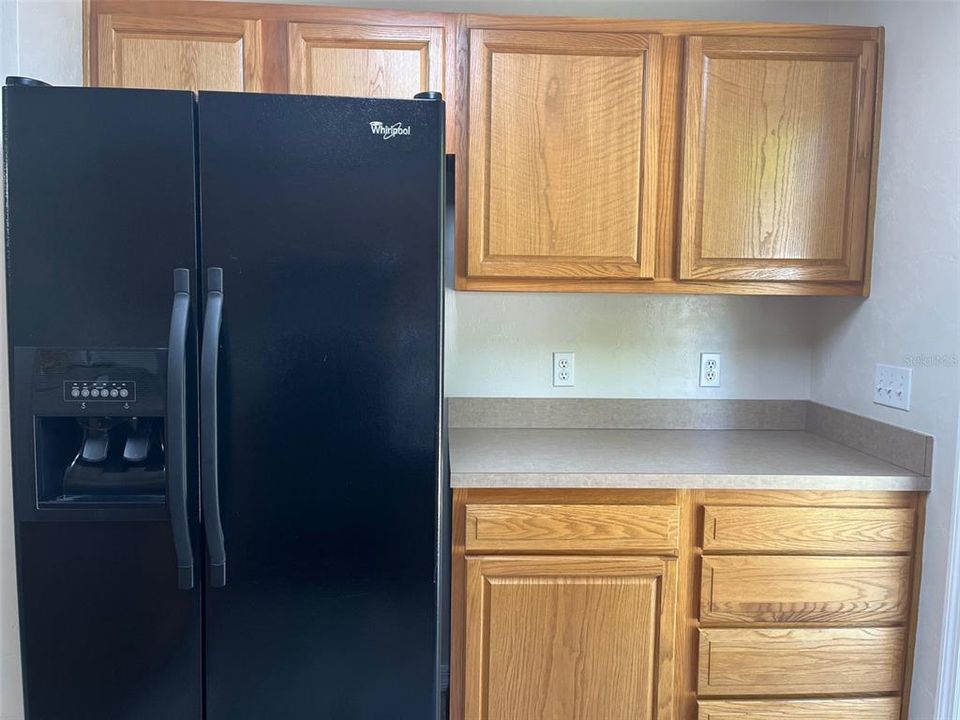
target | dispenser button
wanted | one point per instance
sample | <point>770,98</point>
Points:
<point>85,392</point>
<point>95,393</point>
<point>114,392</point>
<point>124,392</point>
<point>75,392</point>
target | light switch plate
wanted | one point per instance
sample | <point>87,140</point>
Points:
<point>891,386</point>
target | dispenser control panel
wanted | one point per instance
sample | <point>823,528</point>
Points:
<point>124,391</point>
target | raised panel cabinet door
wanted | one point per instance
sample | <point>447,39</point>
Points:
<point>179,53</point>
<point>778,143</point>
<point>365,60</point>
<point>562,168</point>
<point>569,638</point>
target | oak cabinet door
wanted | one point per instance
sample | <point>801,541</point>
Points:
<point>365,60</point>
<point>778,143</point>
<point>568,637</point>
<point>562,154</point>
<point>174,53</point>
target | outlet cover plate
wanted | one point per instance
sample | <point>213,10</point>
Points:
<point>563,369</point>
<point>709,369</point>
<point>891,386</point>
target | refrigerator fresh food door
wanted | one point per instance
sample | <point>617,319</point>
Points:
<point>324,215</point>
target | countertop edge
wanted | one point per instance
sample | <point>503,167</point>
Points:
<point>856,483</point>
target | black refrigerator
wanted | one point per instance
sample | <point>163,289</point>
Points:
<point>224,317</point>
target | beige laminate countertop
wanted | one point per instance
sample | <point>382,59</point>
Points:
<point>719,459</point>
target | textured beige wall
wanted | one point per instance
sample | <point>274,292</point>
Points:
<point>913,314</point>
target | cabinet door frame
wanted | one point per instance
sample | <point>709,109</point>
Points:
<point>851,266</point>
<point>428,40</point>
<point>482,45</point>
<point>480,568</point>
<point>107,70</point>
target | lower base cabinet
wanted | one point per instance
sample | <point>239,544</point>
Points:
<point>568,637</point>
<point>683,605</point>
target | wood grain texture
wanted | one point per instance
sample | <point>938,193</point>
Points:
<point>877,708</point>
<point>800,661</point>
<point>837,531</point>
<point>658,286</point>
<point>566,528</point>
<point>777,158</point>
<point>914,617</point>
<point>365,60</point>
<point>668,172</point>
<point>275,19</point>
<point>812,590</point>
<point>670,27</point>
<point>178,53</point>
<point>569,638</point>
<point>563,154</point>
<point>874,168</point>
<point>829,595</point>
<point>458,602</point>
<point>571,496</point>
<point>811,498</point>
<point>688,603</point>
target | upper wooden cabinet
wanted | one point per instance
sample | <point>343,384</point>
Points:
<point>778,138</point>
<point>365,60</point>
<point>594,155</point>
<point>563,154</point>
<point>196,45</point>
<point>178,53</point>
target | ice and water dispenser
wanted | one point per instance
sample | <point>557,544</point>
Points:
<point>98,426</point>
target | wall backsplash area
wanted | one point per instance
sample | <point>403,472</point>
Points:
<point>501,344</point>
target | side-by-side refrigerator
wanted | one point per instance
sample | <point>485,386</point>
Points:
<point>224,324</point>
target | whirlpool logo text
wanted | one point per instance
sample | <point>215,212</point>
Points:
<point>388,132</point>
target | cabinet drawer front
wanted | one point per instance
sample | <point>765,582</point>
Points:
<point>820,661</point>
<point>829,590</point>
<point>842,531</point>
<point>633,528</point>
<point>845,709</point>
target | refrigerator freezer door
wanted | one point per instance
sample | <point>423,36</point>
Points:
<point>101,201</point>
<point>324,214</point>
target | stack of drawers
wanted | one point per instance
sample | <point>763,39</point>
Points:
<point>804,612</point>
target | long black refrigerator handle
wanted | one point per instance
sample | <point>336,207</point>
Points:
<point>210,494</point>
<point>177,427</point>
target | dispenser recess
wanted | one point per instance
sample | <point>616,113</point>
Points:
<point>99,428</point>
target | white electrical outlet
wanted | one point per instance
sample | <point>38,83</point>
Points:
<point>563,369</point>
<point>891,386</point>
<point>709,369</point>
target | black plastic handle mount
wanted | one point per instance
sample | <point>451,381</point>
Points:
<point>177,427</point>
<point>209,471</point>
